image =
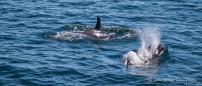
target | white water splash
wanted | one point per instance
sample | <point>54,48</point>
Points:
<point>131,33</point>
<point>70,36</point>
<point>75,32</point>
<point>150,37</point>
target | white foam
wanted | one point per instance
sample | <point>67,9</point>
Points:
<point>69,36</point>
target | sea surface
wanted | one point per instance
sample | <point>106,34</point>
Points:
<point>41,42</point>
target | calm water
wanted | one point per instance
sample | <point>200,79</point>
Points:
<point>41,44</point>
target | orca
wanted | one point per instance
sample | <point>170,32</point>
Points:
<point>97,33</point>
<point>134,58</point>
<point>158,52</point>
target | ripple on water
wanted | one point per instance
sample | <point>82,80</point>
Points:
<point>74,32</point>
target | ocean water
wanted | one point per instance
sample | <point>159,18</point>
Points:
<point>42,45</point>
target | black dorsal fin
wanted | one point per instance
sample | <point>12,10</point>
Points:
<point>98,24</point>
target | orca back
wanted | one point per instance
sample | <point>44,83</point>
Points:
<point>97,33</point>
<point>98,24</point>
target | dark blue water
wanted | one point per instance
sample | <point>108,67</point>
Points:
<point>41,44</point>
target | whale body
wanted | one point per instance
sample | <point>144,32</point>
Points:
<point>97,33</point>
<point>134,58</point>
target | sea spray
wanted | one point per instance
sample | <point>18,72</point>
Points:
<point>150,38</point>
